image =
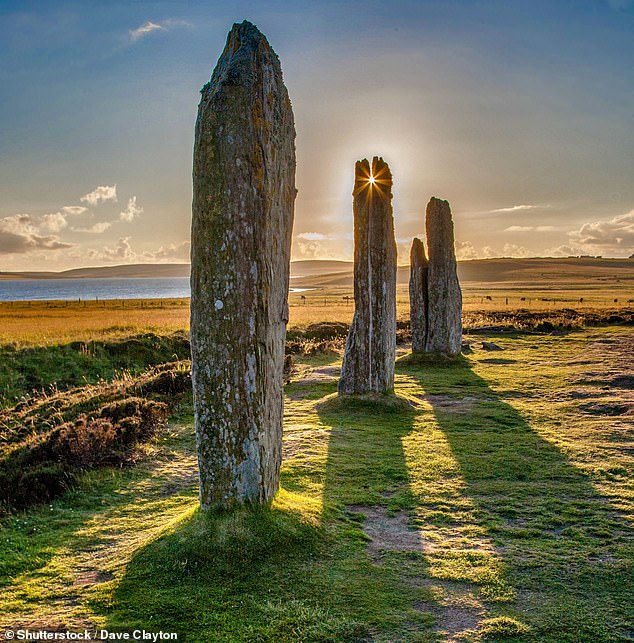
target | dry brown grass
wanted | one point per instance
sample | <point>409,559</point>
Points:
<point>45,323</point>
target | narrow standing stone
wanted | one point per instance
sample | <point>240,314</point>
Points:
<point>444,307</point>
<point>368,362</point>
<point>418,296</point>
<point>244,193</point>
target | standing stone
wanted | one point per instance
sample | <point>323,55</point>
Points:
<point>368,362</point>
<point>244,193</point>
<point>418,296</point>
<point>444,303</point>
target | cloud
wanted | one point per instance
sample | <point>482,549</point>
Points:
<point>312,236</point>
<point>465,250</point>
<point>122,250</point>
<point>100,194</point>
<point>132,211</point>
<point>75,210</point>
<point>53,222</point>
<point>614,235</point>
<point>513,250</point>
<point>530,228</point>
<point>150,27</point>
<point>314,245</point>
<point>517,208</point>
<point>563,251</point>
<point>96,228</point>
<point>144,30</point>
<point>172,251</point>
<point>19,234</point>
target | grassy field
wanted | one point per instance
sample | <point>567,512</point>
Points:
<point>490,500</point>
<point>501,286</point>
<point>25,324</point>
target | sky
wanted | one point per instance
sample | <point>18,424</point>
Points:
<point>519,113</point>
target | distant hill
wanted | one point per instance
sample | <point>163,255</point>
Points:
<point>129,271</point>
<point>324,274</point>
<point>530,272</point>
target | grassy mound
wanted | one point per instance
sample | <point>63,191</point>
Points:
<point>47,442</point>
<point>31,370</point>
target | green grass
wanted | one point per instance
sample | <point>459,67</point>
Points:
<point>24,370</point>
<point>517,505</point>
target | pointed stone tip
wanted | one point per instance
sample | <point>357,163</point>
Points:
<point>244,43</point>
<point>417,251</point>
<point>246,27</point>
<point>245,34</point>
<point>438,203</point>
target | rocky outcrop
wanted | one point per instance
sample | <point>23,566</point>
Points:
<point>368,363</point>
<point>418,296</point>
<point>244,193</point>
<point>444,297</point>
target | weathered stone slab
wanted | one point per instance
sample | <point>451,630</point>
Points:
<point>444,307</point>
<point>368,363</point>
<point>244,193</point>
<point>418,296</point>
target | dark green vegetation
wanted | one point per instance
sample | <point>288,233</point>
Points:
<point>47,442</point>
<point>492,500</point>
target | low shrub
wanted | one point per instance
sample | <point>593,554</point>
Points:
<point>39,414</point>
<point>47,464</point>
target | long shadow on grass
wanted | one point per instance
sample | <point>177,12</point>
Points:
<point>564,549</point>
<point>366,496</point>
<point>298,571</point>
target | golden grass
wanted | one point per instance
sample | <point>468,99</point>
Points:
<point>46,323</point>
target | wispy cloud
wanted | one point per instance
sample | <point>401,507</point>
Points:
<point>96,228</point>
<point>151,27</point>
<point>517,208</point>
<point>530,228</point>
<point>132,211</point>
<point>75,210</point>
<point>312,236</point>
<point>100,194</point>
<point>144,30</point>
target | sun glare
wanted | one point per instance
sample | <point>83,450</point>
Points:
<point>371,180</point>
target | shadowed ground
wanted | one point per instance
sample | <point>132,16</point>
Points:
<point>494,504</point>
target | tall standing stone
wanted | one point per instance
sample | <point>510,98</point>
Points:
<point>418,296</point>
<point>368,362</point>
<point>244,193</point>
<point>444,306</point>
